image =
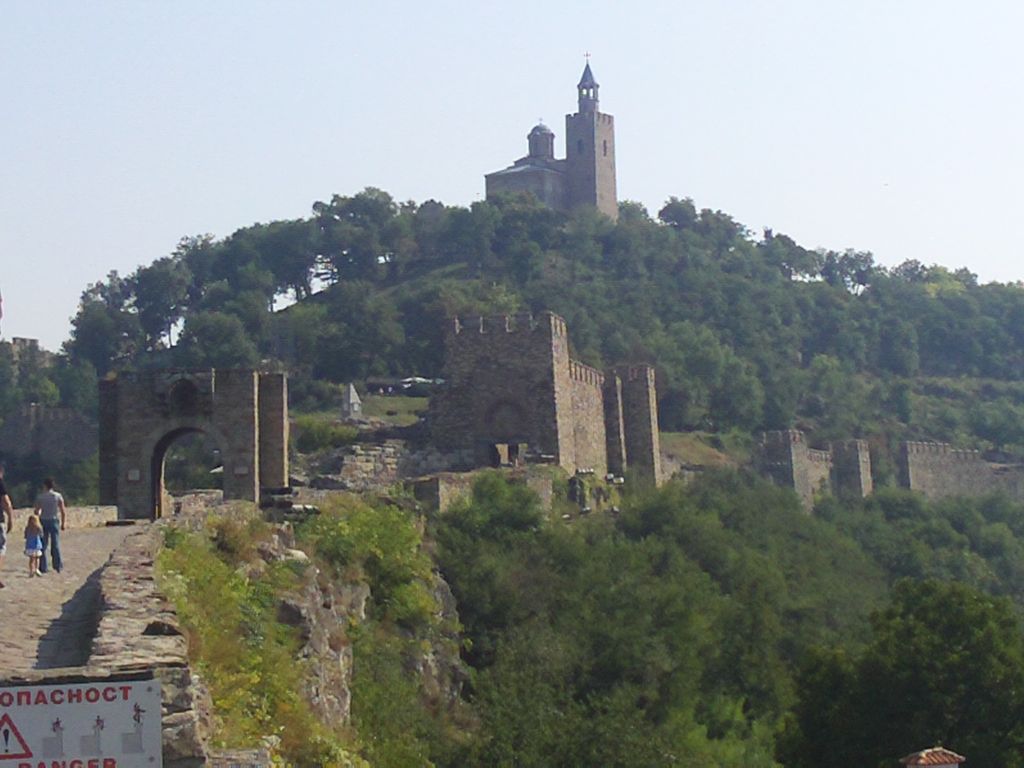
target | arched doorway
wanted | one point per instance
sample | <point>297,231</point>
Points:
<point>185,459</point>
<point>142,413</point>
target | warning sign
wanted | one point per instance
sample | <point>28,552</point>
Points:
<point>102,723</point>
<point>12,746</point>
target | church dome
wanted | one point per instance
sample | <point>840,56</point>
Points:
<point>542,142</point>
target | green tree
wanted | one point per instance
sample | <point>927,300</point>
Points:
<point>214,339</point>
<point>945,665</point>
<point>161,295</point>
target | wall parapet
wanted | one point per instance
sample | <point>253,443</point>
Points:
<point>921,448</point>
<point>520,322</point>
<point>139,629</point>
<point>586,374</point>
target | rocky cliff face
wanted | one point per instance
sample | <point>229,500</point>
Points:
<point>324,612</point>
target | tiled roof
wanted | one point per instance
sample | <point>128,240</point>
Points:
<point>934,756</point>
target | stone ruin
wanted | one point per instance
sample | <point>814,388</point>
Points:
<point>244,412</point>
<point>514,395</point>
<point>843,468</point>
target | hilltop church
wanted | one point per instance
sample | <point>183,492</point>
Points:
<point>585,177</point>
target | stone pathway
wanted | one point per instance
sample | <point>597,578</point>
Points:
<point>49,621</point>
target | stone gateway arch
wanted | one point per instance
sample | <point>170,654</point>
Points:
<point>142,413</point>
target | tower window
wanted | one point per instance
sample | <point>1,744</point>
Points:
<point>604,147</point>
<point>579,147</point>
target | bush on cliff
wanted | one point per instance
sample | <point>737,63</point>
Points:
<point>246,657</point>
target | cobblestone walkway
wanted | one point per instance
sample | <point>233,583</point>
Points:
<point>49,621</point>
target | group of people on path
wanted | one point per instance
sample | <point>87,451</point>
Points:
<point>42,529</point>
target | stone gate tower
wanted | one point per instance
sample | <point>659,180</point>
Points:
<point>585,177</point>
<point>142,413</point>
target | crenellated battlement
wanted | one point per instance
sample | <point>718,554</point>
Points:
<point>520,322</point>
<point>585,374</point>
<point>511,389</point>
<point>55,434</point>
<point>945,450</point>
<point>843,468</point>
<point>938,470</point>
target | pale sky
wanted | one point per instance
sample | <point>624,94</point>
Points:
<point>894,127</point>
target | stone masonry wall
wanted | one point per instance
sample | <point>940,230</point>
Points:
<point>139,636</point>
<point>817,473</point>
<point>57,435</point>
<point>273,430</point>
<point>139,630</point>
<point>787,459</point>
<point>851,471</point>
<point>438,492</point>
<point>640,421</point>
<point>938,470</point>
<point>143,413</point>
<point>614,424</point>
<point>77,517</point>
<point>588,418</point>
<point>507,382</point>
<point>843,469</point>
<point>511,382</point>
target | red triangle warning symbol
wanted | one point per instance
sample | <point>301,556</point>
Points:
<point>12,746</point>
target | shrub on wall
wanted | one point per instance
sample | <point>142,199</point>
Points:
<point>315,433</point>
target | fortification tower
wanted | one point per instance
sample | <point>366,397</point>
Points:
<point>792,463</point>
<point>639,406</point>
<point>508,389</point>
<point>590,151</point>
<point>851,469</point>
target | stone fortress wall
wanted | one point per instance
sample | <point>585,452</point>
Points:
<point>639,422</point>
<point>844,469</point>
<point>56,435</point>
<point>513,394</point>
<point>937,470</point>
<point>589,436</point>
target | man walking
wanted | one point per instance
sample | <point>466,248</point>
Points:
<point>50,508</point>
<point>6,518</point>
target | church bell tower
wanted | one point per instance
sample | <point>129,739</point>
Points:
<point>590,151</point>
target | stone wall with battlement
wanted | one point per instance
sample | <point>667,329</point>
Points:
<point>843,469</point>
<point>506,377</point>
<point>642,435</point>
<point>56,435</point>
<point>939,470</point>
<point>588,418</point>
<point>510,383</point>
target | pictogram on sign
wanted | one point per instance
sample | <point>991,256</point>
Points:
<point>12,746</point>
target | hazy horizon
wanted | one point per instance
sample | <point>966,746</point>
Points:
<point>892,130</point>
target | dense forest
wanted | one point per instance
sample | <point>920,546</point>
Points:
<point>710,624</point>
<point>748,331</point>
